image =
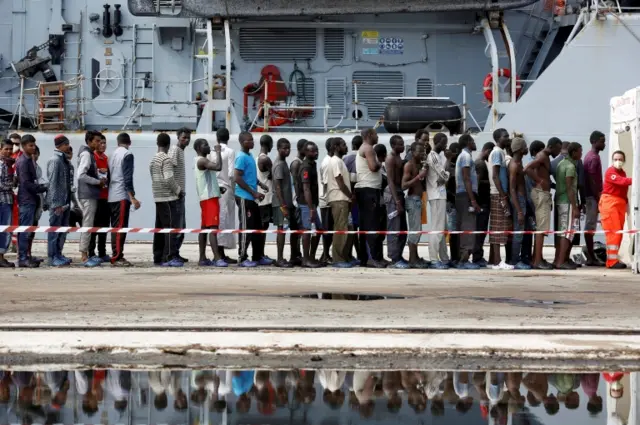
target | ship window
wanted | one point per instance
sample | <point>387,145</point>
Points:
<point>374,86</point>
<point>305,91</point>
<point>425,87</point>
<point>336,97</point>
<point>278,44</point>
<point>334,44</point>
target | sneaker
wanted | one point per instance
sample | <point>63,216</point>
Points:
<point>28,264</point>
<point>230,260</point>
<point>343,265</point>
<point>105,259</point>
<point>522,266</point>
<point>173,263</point>
<point>419,265</point>
<point>248,263</point>
<point>219,263</point>
<point>96,259</point>
<point>502,266</point>
<point>481,262</point>
<point>439,265</point>
<point>284,264</point>
<point>66,259</point>
<point>121,263</point>
<point>467,266</point>
<point>566,266</point>
<point>355,262</point>
<point>6,264</point>
<point>312,264</point>
<point>399,265</point>
<point>265,261</point>
<point>543,266</point>
<point>376,264</point>
<point>92,262</point>
<point>57,262</point>
<point>618,266</point>
<point>37,260</point>
<point>205,263</point>
<point>182,259</point>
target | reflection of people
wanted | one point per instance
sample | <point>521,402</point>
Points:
<point>589,383</point>
<point>613,207</point>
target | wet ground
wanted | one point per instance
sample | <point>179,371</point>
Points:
<point>267,317</point>
<point>311,396</point>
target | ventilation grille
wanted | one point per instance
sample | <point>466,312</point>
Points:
<point>374,86</point>
<point>334,44</point>
<point>335,93</point>
<point>425,87</point>
<point>277,44</point>
<point>305,91</point>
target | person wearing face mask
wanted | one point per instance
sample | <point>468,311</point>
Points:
<point>613,207</point>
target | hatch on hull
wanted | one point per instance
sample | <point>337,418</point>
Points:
<point>279,8</point>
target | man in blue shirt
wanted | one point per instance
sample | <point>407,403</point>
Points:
<point>246,191</point>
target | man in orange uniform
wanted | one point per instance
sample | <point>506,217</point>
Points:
<point>613,207</point>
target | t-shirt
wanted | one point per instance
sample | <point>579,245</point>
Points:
<point>436,172</point>
<point>498,157</point>
<point>282,175</point>
<point>308,174</point>
<point>465,160</point>
<point>247,164</point>
<point>566,168</point>
<point>484,187</point>
<point>336,167</point>
<point>323,180</point>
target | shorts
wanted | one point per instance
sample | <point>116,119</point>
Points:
<point>278,217</point>
<point>542,204</point>
<point>499,222</point>
<point>566,223</point>
<point>266,212</point>
<point>591,220</point>
<point>414,208</point>
<point>210,215</point>
<point>305,219</point>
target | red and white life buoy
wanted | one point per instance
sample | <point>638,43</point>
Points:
<point>487,84</point>
<point>611,377</point>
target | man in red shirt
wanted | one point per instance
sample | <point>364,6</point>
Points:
<point>103,213</point>
<point>593,190</point>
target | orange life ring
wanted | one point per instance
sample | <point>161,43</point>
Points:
<point>487,84</point>
<point>611,377</point>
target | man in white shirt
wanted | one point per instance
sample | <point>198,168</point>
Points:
<point>338,197</point>
<point>437,194</point>
<point>227,200</point>
<point>326,216</point>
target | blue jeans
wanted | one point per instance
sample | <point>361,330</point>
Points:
<point>5,220</point>
<point>26,218</point>
<point>55,241</point>
<point>305,218</point>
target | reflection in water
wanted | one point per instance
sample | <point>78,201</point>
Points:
<point>303,397</point>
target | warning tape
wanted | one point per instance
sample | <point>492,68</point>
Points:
<point>61,229</point>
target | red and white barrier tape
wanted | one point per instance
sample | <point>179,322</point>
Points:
<point>49,229</point>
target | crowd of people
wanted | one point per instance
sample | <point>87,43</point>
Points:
<point>43,397</point>
<point>369,189</point>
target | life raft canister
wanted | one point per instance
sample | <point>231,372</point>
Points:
<point>487,84</point>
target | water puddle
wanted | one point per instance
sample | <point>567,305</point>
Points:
<point>522,302</point>
<point>343,296</point>
<point>308,396</point>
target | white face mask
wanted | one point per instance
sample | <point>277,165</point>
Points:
<point>618,164</point>
<point>16,148</point>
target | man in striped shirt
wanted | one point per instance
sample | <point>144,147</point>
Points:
<point>167,194</point>
<point>176,153</point>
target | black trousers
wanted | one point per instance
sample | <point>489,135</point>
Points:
<point>165,245</point>
<point>119,218</point>
<point>327,224</point>
<point>370,209</point>
<point>102,219</point>
<point>249,218</point>
<point>482,223</point>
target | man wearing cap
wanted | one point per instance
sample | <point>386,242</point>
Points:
<point>58,199</point>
